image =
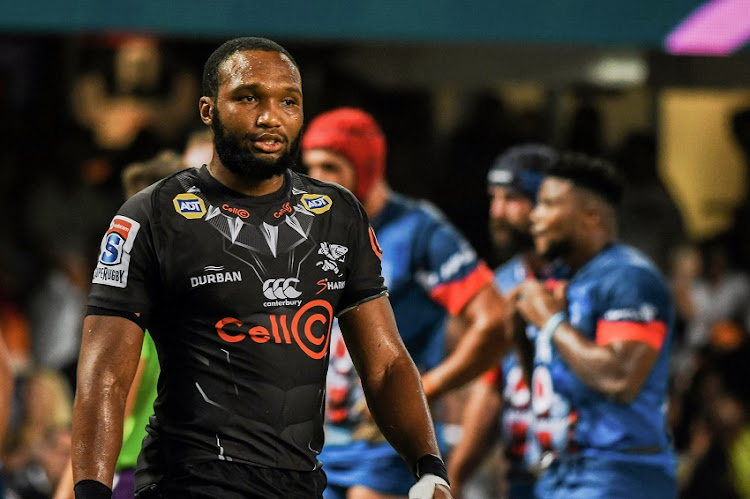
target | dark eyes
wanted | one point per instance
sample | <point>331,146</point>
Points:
<point>252,98</point>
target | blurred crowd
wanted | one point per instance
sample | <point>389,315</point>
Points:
<point>130,98</point>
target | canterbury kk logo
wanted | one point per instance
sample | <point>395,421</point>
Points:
<point>281,288</point>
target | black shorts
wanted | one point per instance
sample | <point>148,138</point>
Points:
<point>230,480</point>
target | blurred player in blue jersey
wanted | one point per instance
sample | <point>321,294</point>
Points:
<point>603,344</point>
<point>430,271</point>
<point>502,395</point>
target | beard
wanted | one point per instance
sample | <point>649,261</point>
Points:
<point>518,240</point>
<point>242,162</point>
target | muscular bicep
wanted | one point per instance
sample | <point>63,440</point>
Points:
<point>371,336</point>
<point>110,349</point>
<point>635,360</point>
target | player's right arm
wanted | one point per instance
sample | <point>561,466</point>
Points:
<point>480,429</point>
<point>65,487</point>
<point>122,292</point>
<point>110,349</point>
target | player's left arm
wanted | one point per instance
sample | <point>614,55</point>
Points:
<point>390,380</point>
<point>628,337</point>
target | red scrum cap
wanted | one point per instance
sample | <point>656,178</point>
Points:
<point>354,134</point>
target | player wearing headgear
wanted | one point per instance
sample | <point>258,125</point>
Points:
<point>512,184</point>
<point>603,346</point>
<point>430,271</point>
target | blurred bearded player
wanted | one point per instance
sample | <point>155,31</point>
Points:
<point>502,395</point>
<point>430,271</point>
<point>603,346</point>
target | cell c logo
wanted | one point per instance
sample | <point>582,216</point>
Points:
<point>310,329</point>
<point>281,288</point>
<point>315,316</point>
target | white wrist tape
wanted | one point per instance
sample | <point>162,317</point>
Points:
<point>425,487</point>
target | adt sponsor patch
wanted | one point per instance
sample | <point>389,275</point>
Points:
<point>316,203</point>
<point>189,205</point>
<point>114,256</point>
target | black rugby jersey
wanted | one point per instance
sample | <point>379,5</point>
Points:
<point>238,293</point>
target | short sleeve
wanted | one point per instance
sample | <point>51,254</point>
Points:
<point>448,267</point>
<point>127,272</point>
<point>636,306</point>
<point>365,280</point>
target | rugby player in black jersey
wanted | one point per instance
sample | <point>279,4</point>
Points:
<point>223,265</point>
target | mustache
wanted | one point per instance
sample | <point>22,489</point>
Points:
<point>501,224</point>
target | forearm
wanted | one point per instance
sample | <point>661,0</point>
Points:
<point>480,348</point>
<point>110,348</point>
<point>98,415</point>
<point>399,407</point>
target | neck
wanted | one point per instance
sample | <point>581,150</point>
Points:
<point>585,252</point>
<point>243,185</point>
<point>376,199</point>
<point>534,263</point>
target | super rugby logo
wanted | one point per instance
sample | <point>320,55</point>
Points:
<point>189,206</point>
<point>282,291</point>
<point>316,203</point>
<point>114,255</point>
<point>309,328</point>
<point>114,240</point>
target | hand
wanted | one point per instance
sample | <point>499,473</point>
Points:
<point>430,487</point>
<point>536,303</point>
<point>442,492</point>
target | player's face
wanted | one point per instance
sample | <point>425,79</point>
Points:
<point>510,221</point>
<point>257,116</point>
<point>329,166</point>
<point>554,218</point>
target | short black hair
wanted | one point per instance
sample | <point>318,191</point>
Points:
<point>593,174</point>
<point>211,68</point>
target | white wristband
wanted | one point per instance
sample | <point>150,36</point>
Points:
<point>544,337</point>
<point>425,487</point>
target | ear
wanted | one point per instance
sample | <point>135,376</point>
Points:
<point>205,108</point>
<point>593,213</point>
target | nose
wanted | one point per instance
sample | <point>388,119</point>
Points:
<point>497,207</point>
<point>268,116</point>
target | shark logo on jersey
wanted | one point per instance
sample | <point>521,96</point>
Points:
<point>334,253</point>
<point>189,206</point>
<point>114,255</point>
